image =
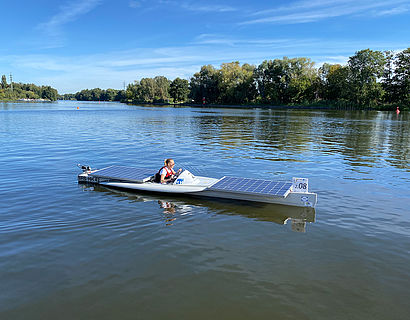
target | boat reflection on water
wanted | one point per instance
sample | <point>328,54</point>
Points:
<point>276,213</point>
<point>168,207</point>
<point>180,205</point>
<point>169,211</point>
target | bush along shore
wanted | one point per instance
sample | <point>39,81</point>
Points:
<point>25,92</point>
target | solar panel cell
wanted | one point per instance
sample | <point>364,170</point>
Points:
<point>255,186</point>
<point>123,173</point>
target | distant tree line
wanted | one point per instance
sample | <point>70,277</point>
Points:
<point>158,89</point>
<point>15,91</point>
<point>95,94</point>
<point>370,79</point>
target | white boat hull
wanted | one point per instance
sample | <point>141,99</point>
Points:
<point>202,187</point>
<point>292,199</point>
<point>156,187</point>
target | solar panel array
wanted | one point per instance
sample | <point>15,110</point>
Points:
<point>123,173</point>
<point>253,186</point>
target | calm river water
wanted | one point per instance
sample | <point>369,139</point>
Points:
<point>75,252</point>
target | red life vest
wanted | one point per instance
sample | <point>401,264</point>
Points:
<point>157,177</point>
<point>169,171</point>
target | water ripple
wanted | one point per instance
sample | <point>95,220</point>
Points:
<point>100,253</point>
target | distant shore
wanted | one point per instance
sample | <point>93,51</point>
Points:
<point>312,106</point>
<point>25,100</point>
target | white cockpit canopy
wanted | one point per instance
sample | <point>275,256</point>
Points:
<point>186,177</point>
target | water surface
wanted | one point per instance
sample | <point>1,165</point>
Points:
<point>75,252</point>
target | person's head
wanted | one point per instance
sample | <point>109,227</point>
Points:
<point>169,163</point>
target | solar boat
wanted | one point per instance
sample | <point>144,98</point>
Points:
<point>292,193</point>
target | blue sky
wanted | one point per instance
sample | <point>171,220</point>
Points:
<point>74,45</point>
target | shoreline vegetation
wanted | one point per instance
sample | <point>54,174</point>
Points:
<point>26,92</point>
<point>373,80</point>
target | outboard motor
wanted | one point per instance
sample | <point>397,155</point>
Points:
<point>186,177</point>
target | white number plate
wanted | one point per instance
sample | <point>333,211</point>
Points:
<point>300,185</point>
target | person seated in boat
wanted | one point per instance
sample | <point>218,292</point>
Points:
<point>167,174</point>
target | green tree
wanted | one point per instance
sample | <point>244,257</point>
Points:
<point>49,93</point>
<point>148,89</point>
<point>388,84</point>
<point>402,76</point>
<point>120,96</point>
<point>96,94</point>
<point>161,89</point>
<point>67,96</point>
<point>302,80</point>
<point>110,94</point>
<point>179,90</point>
<point>287,80</point>
<point>366,67</point>
<point>333,82</point>
<point>236,83</point>
<point>271,80</point>
<point>3,82</point>
<point>27,91</point>
<point>83,95</point>
<point>205,84</point>
<point>31,95</point>
<point>133,91</point>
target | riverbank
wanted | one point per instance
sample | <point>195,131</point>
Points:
<point>25,100</point>
<point>312,106</point>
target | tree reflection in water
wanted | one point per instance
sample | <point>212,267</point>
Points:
<point>361,137</point>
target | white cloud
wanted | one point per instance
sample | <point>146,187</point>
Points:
<point>393,11</point>
<point>198,7</point>
<point>111,69</point>
<point>302,5</point>
<point>304,11</point>
<point>67,13</point>
<point>135,4</point>
<point>207,7</point>
<point>214,39</point>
